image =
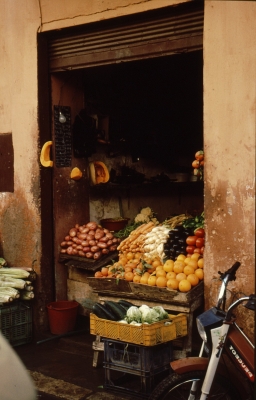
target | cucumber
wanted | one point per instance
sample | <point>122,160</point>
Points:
<point>116,309</point>
<point>125,304</point>
<point>102,312</point>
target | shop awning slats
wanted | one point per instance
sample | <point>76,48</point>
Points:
<point>177,32</point>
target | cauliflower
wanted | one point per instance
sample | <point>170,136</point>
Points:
<point>161,312</point>
<point>149,315</point>
<point>133,314</point>
<point>141,218</point>
<point>146,215</point>
<point>146,211</point>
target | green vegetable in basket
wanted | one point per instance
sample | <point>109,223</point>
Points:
<point>149,315</point>
<point>133,314</point>
<point>161,312</point>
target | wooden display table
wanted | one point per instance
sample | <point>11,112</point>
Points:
<point>171,300</point>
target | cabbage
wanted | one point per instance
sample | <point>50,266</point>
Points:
<point>161,312</point>
<point>145,314</point>
<point>143,308</point>
<point>133,314</point>
<point>149,315</point>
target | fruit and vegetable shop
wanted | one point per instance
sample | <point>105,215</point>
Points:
<point>125,196</point>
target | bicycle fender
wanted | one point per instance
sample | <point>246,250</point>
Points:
<point>189,364</point>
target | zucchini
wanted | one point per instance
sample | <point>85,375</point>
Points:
<point>125,304</point>
<point>102,312</point>
<point>116,309</point>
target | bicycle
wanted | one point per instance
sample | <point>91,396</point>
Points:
<point>227,372</point>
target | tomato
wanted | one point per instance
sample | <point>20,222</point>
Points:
<point>190,249</point>
<point>199,232</point>
<point>201,163</point>
<point>195,163</point>
<point>202,250</point>
<point>197,250</point>
<point>191,240</point>
<point>199,155</point>
<point>199,242</point>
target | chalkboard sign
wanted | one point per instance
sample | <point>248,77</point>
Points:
<point>63,140</point>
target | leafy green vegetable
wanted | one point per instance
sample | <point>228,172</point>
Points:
<point>123,233</point>
<point>161,312</point>
<point>133,314</point>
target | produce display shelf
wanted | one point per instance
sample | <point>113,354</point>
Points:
<point>144,334</point>
<point>16,322</point>
<point>87,263</point>
<point>145,292</point>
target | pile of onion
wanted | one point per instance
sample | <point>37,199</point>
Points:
<point>89,241</point>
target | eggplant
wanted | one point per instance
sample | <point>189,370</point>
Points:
<point>171,234</point>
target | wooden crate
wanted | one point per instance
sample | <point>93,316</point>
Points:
<point>109,285</point>
<point>122,288</point>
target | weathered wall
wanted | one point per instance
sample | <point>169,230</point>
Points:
<point>20,218</point>
<point>63,13</point>
<point>229,139</point>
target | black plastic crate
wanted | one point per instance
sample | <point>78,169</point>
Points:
<point>16,322</point>
<point>133,368</point>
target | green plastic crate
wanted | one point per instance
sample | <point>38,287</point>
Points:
<point>16,322</point>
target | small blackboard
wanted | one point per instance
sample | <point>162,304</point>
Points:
<point>63,139</point>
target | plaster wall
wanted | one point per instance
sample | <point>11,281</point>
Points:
<point>229,140</point>
<point>63,13</point>
<point>20,215</point>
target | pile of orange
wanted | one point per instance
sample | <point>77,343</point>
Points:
<point>182,274</point>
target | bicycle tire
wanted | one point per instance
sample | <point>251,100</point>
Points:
<point>177,387</point>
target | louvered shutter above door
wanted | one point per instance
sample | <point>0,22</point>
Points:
<point>173,30</point>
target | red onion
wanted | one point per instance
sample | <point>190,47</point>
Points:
<point>89,254</point>
<point>105,251</point>
<point>82,236</point>
<point>92,225</point>
<point>99,235</point>
<point>97,255</point>
<point>69,250</point>
<point>94,249</point>
<point>102,245</point>
<point>89,237</point>
<point>103,239</point>
<point>72,232</point>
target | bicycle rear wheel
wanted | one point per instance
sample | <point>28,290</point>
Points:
<point>178,387</point>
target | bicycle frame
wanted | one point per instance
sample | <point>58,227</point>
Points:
<point>224,334</point>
